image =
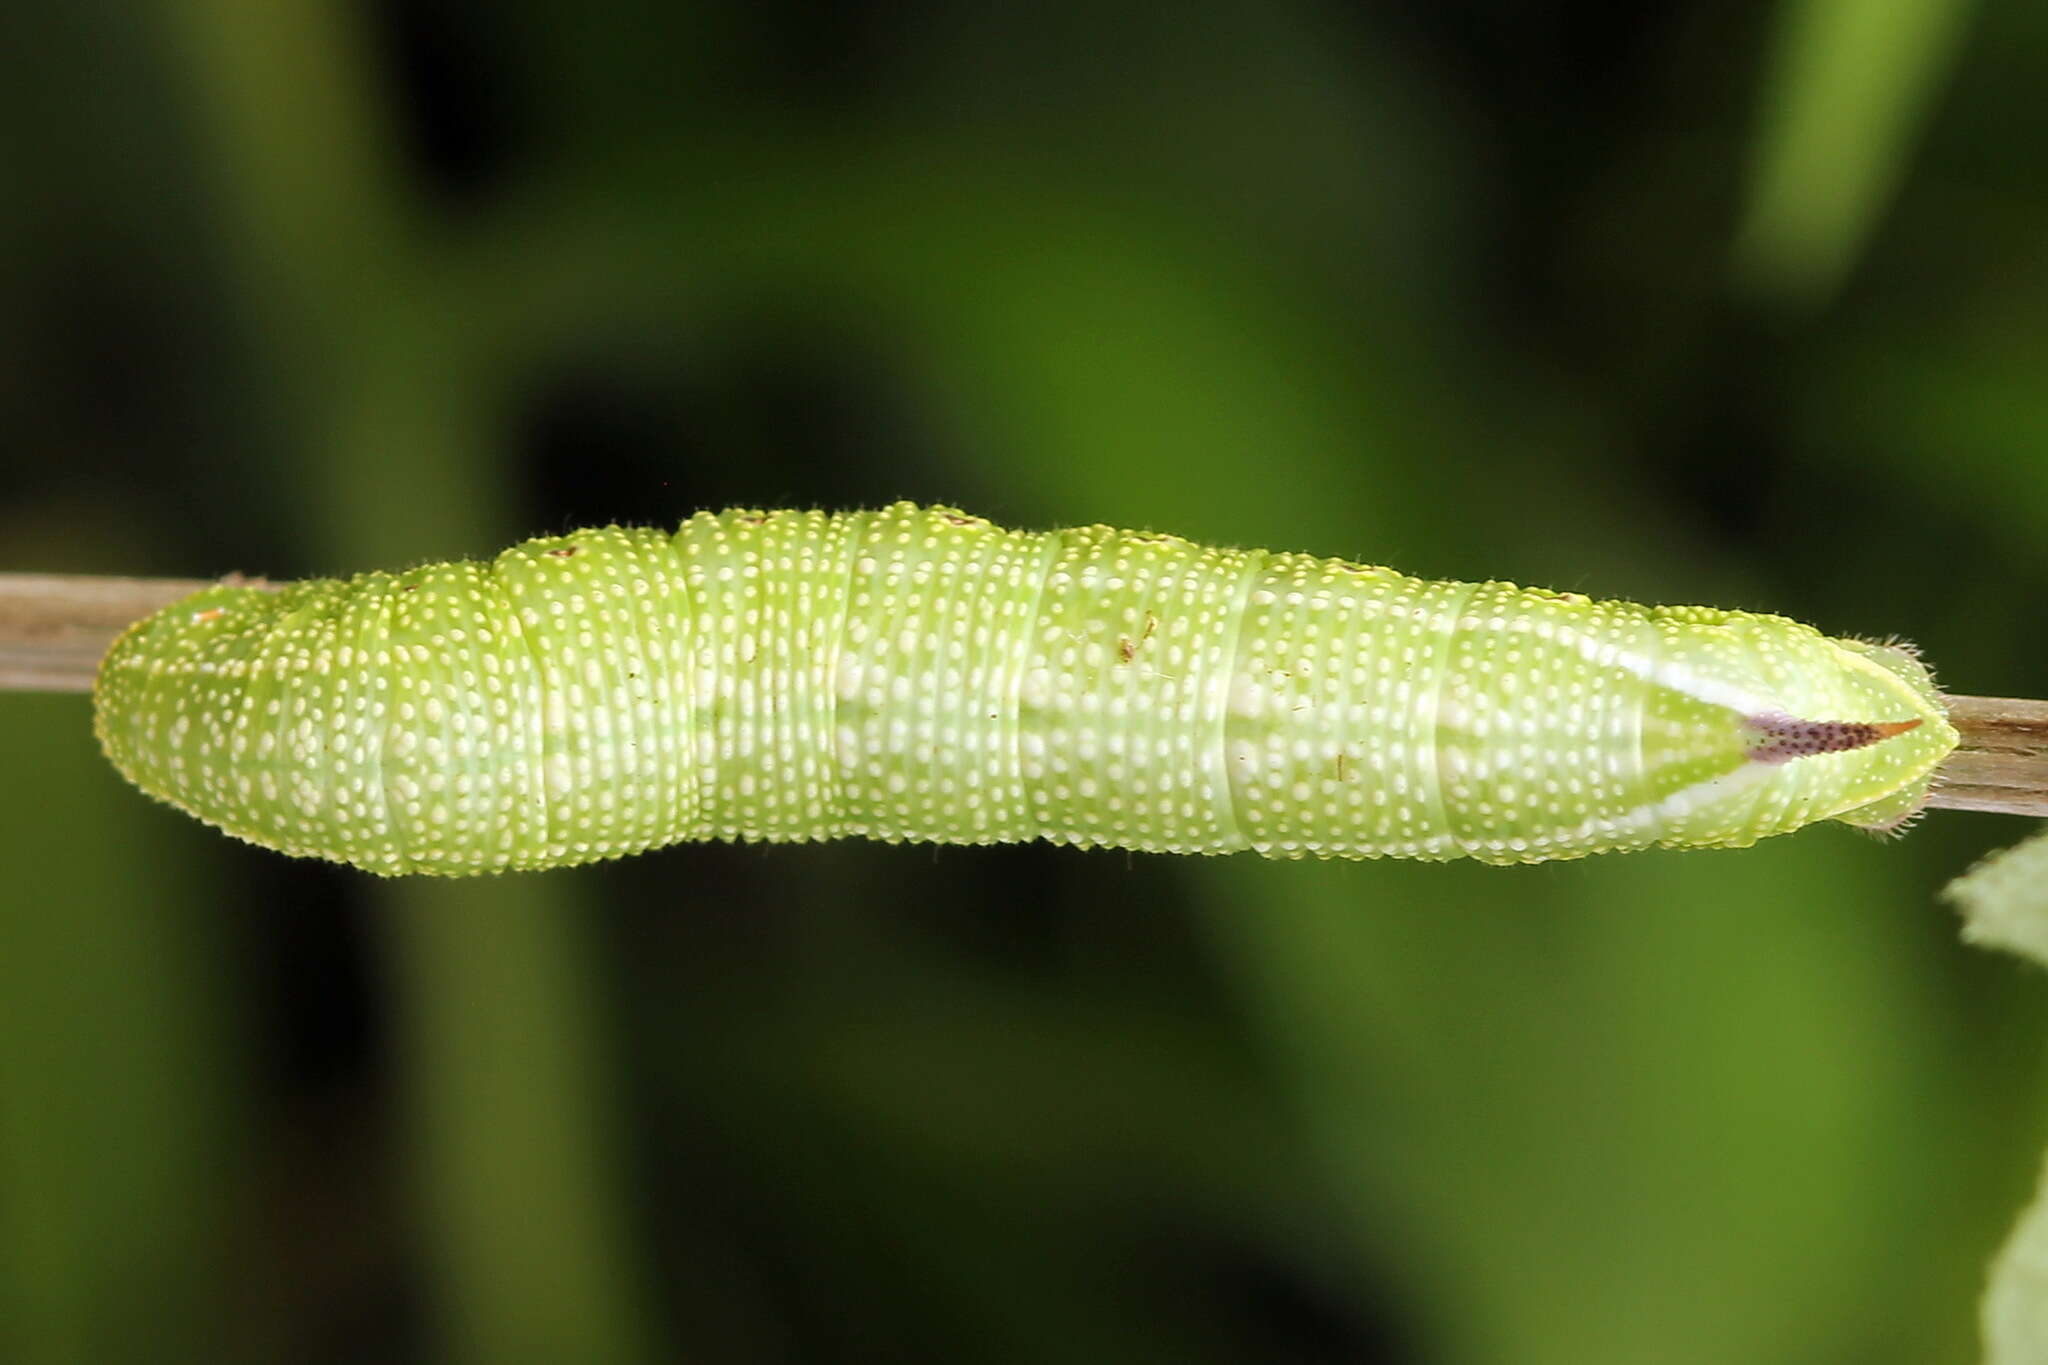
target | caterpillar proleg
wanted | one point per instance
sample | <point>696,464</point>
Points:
<point>916,673</point>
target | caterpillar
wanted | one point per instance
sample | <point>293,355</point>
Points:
<point>916,673</point>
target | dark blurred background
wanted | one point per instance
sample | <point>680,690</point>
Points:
<point>1735,303</point>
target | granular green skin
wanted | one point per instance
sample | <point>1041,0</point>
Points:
<point>919,674</point>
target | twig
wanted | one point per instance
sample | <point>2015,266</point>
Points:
<point>55,627</point>
<point>2002,763</point>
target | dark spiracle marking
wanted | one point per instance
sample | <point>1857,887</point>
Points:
<point>1784,738</point>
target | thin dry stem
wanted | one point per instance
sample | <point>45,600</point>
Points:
<point>2002,763</point>
<point>55,627</point>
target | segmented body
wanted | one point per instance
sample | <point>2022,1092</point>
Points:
<point>919,674</point>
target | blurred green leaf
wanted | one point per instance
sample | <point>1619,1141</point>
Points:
<point>2004,900</point>
<point>1849,84</point>
<point>509,1090</point>
<point>119,1081</point>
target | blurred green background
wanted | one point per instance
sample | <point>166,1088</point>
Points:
<point>1735,303</point>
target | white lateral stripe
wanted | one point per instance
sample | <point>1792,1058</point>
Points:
<point>1680,803</point>
<point>1671,674</point>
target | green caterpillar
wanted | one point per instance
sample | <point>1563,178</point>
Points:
<point>919,674</point>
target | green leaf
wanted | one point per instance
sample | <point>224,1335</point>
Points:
<point>2004,901</point>
<point>1849,85</point>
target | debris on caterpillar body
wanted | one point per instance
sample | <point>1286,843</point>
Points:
<point>919,674</point>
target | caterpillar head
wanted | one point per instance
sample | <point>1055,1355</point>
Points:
<point>185,704</point>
